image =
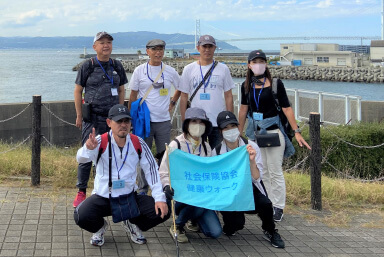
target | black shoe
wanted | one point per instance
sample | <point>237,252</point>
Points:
<point>228,233</point>
<point>277,214</point>
<point>274,239</point>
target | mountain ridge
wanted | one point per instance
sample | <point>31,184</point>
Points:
<point>136,40</point>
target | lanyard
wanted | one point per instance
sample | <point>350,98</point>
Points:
<point>125,158</point>
<point>189,151</point>
<point>101,66</point>
<point>162,74</point>
<point>209,78</point>
<point>254,94</point>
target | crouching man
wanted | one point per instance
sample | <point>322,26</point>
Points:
<point>117,153</point>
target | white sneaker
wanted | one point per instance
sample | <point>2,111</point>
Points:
<point>135,232</point>
<point>97,238</point>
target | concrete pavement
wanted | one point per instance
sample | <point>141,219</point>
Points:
<point>39,222</point>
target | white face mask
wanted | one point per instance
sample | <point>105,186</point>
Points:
<point>196,130</point>
<point>258,68</point>
<point>231,135</point>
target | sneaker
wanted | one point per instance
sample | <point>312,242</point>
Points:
<point>192,226</point>
<point>180,232</point>
<point>97,238</point>
<point>79,198</point>
<point>274,239</point>
<point>277,214</point>
<point>136,234</point>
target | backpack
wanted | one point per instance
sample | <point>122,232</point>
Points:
<point>91,66</point>
<point>284,121</point>
<point>218,148</point>
<point>104,142</point>
<point>203,143</point>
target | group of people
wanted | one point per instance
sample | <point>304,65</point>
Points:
<point>209,128</point>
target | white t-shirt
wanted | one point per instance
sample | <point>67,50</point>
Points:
<point>158,105</point>
<point>220,82</point>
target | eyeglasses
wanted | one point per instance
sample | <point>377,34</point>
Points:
<point>126,121</point>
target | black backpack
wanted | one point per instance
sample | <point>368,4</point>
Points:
<point>92,62</point>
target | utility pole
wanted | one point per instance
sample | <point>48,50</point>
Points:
<point>382,20</point>
<point>197,32</point>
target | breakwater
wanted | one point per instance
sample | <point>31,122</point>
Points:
<point>341,74</point>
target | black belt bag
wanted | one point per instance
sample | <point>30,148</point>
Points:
<point>268,140</point>
<point>86,111</point>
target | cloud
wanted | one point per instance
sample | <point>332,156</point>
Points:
<point>325,4</point>
<point>27,19</point>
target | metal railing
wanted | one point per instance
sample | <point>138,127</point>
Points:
<point>333,108</point>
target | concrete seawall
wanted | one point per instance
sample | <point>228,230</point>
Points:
<point>60,133</point>
<point>342,74</point>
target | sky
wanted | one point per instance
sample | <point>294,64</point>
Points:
<point>223,19</point>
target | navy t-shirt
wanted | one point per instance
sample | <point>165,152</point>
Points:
<point>267,102</point>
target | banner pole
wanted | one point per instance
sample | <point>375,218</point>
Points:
<point>172,201</point>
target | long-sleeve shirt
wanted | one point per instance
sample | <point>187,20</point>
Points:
<point>127,172</point>
<point>186,146</point>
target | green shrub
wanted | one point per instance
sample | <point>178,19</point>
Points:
<point>349,160</point>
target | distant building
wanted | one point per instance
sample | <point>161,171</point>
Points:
<point>325,55</point>
<point>360,49</point>
<point>174,53</point>
<point>377,51</point>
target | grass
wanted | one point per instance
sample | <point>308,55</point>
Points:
<point>340,198</point>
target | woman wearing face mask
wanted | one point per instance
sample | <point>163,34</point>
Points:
<point>233,220</point>
<point>259,106</point>
<point>195,125</point>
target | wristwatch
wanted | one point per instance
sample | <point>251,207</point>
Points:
<point>298,130</point>
<point>173,102</point>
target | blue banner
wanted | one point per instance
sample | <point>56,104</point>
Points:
<point>221,183</point>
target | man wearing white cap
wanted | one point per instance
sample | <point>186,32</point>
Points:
<point>215,92</point>
<point>102,80</point>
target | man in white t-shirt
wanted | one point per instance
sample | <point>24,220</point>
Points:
<point>159,100</point>
<point>215,95</point>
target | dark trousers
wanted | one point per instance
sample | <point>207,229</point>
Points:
<point>214,138</point>
<point>89,215</point>
<point>234,221</point>
<point>84,169</point>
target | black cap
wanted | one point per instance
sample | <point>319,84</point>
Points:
<point>206,40</point>
<point>257,54</point>
<point>226,117</point>
<point>155,42</point>
<point>118,112</point>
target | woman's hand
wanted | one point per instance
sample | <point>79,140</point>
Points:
<point>301,141</point>
<point>252,152</point>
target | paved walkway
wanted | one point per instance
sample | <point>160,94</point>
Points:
<point>39,222</point>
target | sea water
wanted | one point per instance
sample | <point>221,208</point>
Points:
<point>48,72</point>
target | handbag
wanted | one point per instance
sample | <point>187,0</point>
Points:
<point>268,140</point>
<point>123,207</point>
<point>86,111</point>
<point>201,83</point>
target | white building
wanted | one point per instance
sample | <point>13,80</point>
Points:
<point>325,55</point>
<point>377,51</point>
<point>174,53</point>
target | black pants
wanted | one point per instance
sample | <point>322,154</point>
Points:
<point>89,215</point>
<point>84,169</point>
<point>234,221</point>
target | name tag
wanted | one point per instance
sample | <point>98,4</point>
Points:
<point>118,184</point>
<point>257,116</point>
<point>164,91</point>
<point>205,96</point>
<point>114,91</point>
